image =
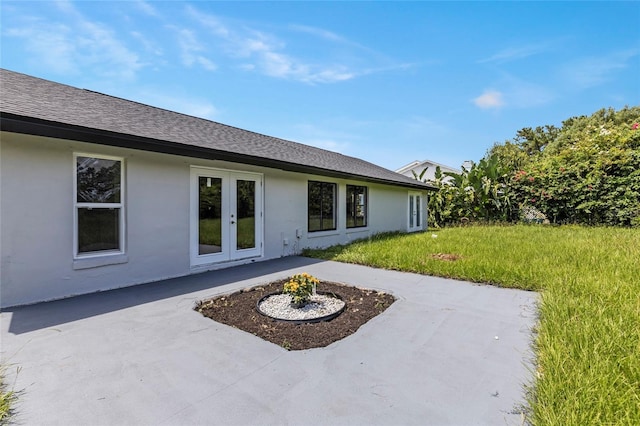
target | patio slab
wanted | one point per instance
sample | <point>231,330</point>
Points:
<point>445,353</point>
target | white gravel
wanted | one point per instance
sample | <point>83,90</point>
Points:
<point>279,306</point>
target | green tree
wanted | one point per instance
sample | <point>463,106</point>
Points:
<point>588,174</point>
<point>479,193</point>
<point>534,141</point>
<point>585,172</point>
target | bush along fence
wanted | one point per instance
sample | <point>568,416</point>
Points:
<point>586,172</point>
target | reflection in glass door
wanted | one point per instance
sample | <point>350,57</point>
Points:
<point>209,215</point>
<point>246,214</point>
<point>415,212</point>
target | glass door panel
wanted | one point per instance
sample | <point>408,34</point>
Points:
<point>226,215</point>
<point>246,214</point>
<point>209,215</point>
<point>411,211</point>
<point>415,212</point>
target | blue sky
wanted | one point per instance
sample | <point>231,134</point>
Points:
<point>389,82</point>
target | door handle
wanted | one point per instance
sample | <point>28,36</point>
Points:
<point>233,221</point>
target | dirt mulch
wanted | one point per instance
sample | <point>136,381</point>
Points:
<point>448,257</point>
<point>239,310</point>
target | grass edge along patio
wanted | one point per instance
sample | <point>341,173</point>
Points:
<point>587,343</point>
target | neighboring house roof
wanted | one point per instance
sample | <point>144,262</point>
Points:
<point>418,166</point>
<point>40,107</point>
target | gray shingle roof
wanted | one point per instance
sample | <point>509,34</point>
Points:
<point>36,106</point>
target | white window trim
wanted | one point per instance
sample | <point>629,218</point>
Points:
<point>229,254</point>
<point>117,254</point>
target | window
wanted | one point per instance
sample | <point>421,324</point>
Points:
<point>322,206</point>
<point>99,205</point>
<point>356,206</point>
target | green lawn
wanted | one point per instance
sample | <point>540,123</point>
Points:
<point>588,338</point>
<point>210,232</point>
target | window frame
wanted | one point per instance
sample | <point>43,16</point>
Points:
<point>334,207</point>
<point>93,205</point>
<point>365,206</point>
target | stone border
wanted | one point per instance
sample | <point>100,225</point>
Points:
<point>327,317</point>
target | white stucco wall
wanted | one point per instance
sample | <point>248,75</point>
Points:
<point>36,218</point>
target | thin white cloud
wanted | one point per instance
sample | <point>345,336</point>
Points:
<point>279,65</point>
<point>76,44</point>
<point>328,75</point>
<point>191,49</point>
<point>319,32</point>
<point>65,6</point>
<point>489,99</point>
<point>594,71</point>
<point>340,40</point>
<point>147,44</point>
<point>267,54</point>
<point>253,43</point>
<point>188,43</point>
<point>206,63</point>
<point>515,53</point>
<point>102,43</point>
<point>514,92</point>
<point>210,22</point>
<point>48,43</point>
<point>147,8</point>
<point>388,68</point>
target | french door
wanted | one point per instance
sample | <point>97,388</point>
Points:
<point>226,215</point>
<point>415,212</point>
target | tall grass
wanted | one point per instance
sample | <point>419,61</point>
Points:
<point>7,398</point>
<point>588,338</point>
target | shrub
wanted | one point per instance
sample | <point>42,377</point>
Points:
<point>586,172</point>
<point>300,287</point>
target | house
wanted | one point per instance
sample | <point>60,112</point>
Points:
<point>98,192</point>
<point>418,167</point>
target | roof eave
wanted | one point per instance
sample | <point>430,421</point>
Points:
<point>38,127</point>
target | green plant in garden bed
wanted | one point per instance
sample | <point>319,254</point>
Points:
<point>587,343</point>
<point>300,287</point>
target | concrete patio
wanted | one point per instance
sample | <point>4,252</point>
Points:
<point>445,353</point>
